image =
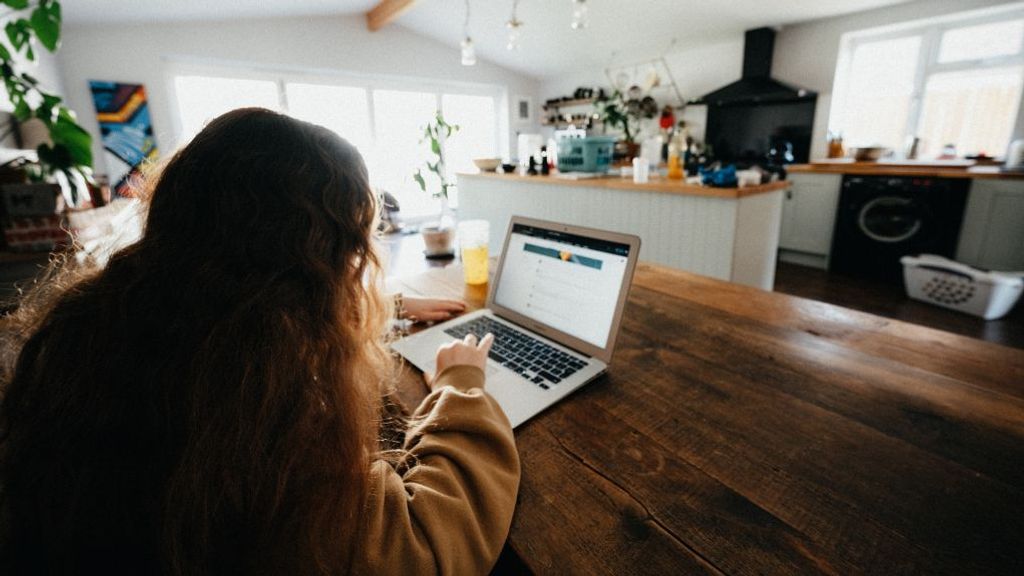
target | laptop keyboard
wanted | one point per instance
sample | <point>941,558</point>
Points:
<point>525,355</point>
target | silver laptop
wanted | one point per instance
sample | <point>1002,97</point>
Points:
<point>554,308</point>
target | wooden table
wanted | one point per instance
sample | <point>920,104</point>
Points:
<point>748,432</point>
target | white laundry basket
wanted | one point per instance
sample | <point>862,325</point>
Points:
<point>956,286</point>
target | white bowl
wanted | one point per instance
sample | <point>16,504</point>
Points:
<point>487,164</point>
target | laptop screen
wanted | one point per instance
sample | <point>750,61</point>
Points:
<point>566,281</point>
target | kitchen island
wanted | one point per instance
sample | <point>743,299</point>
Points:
<point>726,233</point>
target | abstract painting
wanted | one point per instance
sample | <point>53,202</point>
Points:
<point>125,129</point>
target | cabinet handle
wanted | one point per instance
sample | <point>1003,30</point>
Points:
<point>789,194</point>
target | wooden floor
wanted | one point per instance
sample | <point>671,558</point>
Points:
<point>891,301</point>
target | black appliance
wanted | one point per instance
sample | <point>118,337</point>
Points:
<point>882,218</point>
<point>755,114</point>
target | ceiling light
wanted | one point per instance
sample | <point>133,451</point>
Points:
<point>468,50</point>
<point>580,18</point>
<point>514,28</point>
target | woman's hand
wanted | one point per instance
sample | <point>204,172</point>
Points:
<point>463,352</point>
<point>431,309</point>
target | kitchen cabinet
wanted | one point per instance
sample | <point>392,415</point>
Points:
<point>808,218</point>
<point>726,233</point>
<point>992,235</point>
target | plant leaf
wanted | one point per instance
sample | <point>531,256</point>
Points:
<point>78,143</point>
<point>45,20</point>
<point>5,54</point>
<point>418,177</point>
<point>18,33</point>
<point>21,110</point>
<point>16,4</point>
<point>435,146</point>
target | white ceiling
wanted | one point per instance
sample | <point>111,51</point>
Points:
<point>620,30</point>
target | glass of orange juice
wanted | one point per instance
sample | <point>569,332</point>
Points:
<point>473,238</point>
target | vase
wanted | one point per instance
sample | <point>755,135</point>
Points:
<point>439,236</point>
<point>625,151</point>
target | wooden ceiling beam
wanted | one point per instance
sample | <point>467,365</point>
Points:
<point>385,12</point>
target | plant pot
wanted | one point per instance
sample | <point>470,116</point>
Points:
<point>625,152</point>
<point>438,241</point>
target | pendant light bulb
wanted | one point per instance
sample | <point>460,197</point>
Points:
<point>514,28</point>
<point>580,16</point>
<point>467,48</point>
<point>514,33</point>
<point>468,52</point>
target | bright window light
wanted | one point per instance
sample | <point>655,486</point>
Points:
<point>982,41</point>
<point>949,83</point>
<point>971,110</point>
<point>399,118</point>
<point>881,84</point>
<point>203,98</point>
<point>343,109</point>
<point>477,136</point>
<point>385,125</point>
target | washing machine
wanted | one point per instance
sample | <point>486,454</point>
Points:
<point>882,218</point>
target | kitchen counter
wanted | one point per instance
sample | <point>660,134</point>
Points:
<point>952,169</point>
<point>726,233</point>
<point>662,185</point>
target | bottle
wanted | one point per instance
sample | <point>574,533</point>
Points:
<point>675,162</point>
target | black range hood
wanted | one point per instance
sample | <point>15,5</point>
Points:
<point>756,86</point>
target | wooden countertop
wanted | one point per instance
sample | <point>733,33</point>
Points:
<point>963,169</point>
<point>739,431</point>
<point>654,185</point>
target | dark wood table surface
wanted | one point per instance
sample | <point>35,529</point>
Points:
<point>747,432</point>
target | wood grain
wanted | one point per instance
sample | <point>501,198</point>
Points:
<point>385,12</point>
<point>748,432</point>
<point>655,184</point>
<point>923,170</point>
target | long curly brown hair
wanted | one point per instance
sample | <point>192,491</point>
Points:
<point>209,401</point>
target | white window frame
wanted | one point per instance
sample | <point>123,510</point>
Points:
<point>368,82</point>
<point>931,32</point>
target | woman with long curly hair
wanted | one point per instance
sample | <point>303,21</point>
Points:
<point>212,400</point>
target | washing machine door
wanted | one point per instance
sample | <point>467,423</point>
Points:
<point>892,219</point>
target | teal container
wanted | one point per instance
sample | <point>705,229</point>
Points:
<point>590,154</point>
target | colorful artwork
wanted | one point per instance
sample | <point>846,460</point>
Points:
<point>126,131</point>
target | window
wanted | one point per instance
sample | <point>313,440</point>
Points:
<point>955,82</point>
<point>384,121</point>
<point>202,98</point>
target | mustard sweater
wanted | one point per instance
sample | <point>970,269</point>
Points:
<point>449,511</point>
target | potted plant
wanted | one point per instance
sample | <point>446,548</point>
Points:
<point>438,236</point>
<point>619,112</point>
<point>66,156</point>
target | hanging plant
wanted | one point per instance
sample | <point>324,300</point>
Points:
<point>69,151</point>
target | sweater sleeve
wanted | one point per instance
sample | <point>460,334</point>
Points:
<point>449,510</point>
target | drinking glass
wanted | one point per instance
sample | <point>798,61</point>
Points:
<point>473,238</point>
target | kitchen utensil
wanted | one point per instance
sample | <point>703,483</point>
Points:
<point>487,164</point>
<point>868,153</point>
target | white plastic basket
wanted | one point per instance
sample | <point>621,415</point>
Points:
<point>956,286</point>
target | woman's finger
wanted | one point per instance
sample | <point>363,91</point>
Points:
<point>470,340</point>
<point>485,344</point>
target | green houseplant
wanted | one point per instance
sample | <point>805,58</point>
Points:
<point>618,112</point>
<point>437,236</point>
<point>69,150</point>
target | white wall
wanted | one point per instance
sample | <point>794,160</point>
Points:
<point>805,56</point>
<point>143,53</point>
